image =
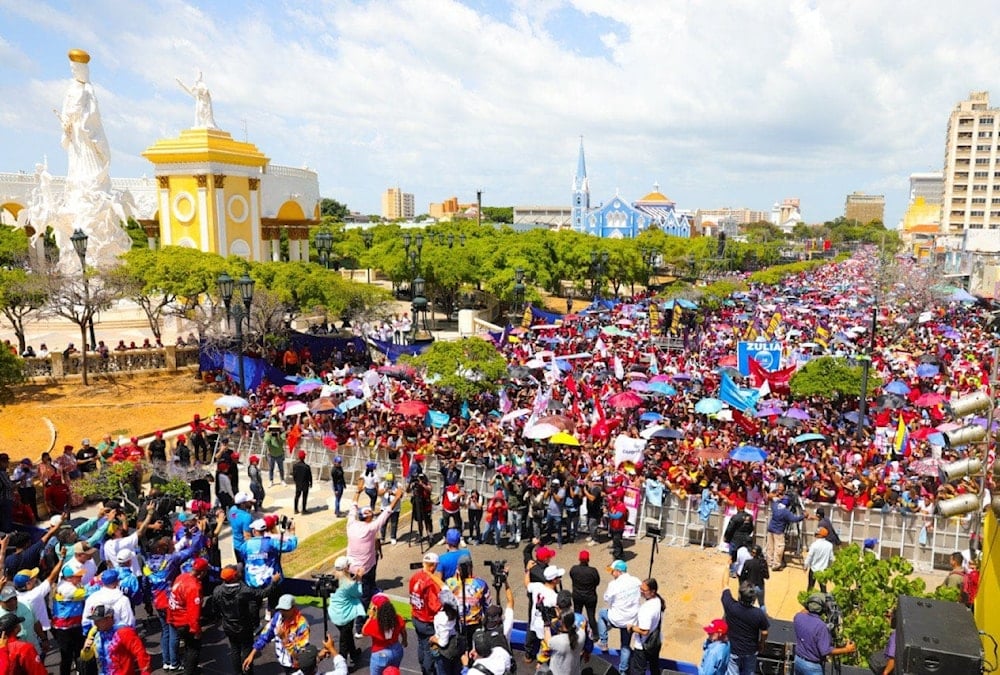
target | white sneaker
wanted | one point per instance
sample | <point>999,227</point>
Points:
<point>392,542</point>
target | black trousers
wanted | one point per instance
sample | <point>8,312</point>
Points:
<point>638,662</point>
<point>617,548</point>
<point>588,603</point>
<point>347,647</point>
<point>70,641</point>
<point>302,492</point>
<point>191,650</point>
<point>240,645</point>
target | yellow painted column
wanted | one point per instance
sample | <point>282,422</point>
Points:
<point>987,612</point>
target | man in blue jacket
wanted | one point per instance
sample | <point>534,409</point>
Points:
<point>781,518</point>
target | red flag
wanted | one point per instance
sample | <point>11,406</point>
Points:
<point>777,380</point>
<point>747,424</point>
<point>293,437</point>
<point>571,385</point>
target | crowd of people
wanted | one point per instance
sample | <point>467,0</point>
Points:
<point>595,405</point>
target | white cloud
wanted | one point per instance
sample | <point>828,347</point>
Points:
<point>723,103</point>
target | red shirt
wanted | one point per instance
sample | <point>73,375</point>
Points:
<point>379,640</point>
<point>22,658</point>
<point>184,604</point>
<point>424,597</point>
<point>619,524</point>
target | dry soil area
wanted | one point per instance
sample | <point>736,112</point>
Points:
<point>52,415</point>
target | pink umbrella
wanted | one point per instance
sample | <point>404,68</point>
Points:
<point>412,408</point>
<point>626,399</point>
<point>638,385</point>
<point>930,399</point>
<point>659,378</point>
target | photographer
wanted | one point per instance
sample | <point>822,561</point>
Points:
<point>423,505</point>
<point>238,606</point>
<point>263,556</point>
<point>555,495</point>
<point>517,508</point>
<point>542,607</point>
<point>813,641</point>
<point>346,608</point>
<point>425,586</point>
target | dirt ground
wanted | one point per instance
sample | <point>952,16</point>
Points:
<point>44,416</point>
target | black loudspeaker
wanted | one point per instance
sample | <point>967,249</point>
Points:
<point>780,645</point>
<point>773,667</point>
<point>598,666</point>
<point>935,637</point>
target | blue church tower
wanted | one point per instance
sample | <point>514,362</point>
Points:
<point>581,193</point>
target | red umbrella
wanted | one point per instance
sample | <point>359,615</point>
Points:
<point>626,399</point>
<point>930,399</point>
<point>728,360</point>
<point>412,408</point>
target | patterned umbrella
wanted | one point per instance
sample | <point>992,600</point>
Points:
<point>624,400</point>
<point>412,408</point>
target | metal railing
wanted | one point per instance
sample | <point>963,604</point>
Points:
<point>134,360</point>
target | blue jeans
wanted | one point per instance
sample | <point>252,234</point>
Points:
<point>168,639</point>
<point>424,631</point>
<point>742,665</point>
<point>497,531</point>
<point>554,521</point>
<point>604,626</point>
<point>572,524</point>
<point>276,462</point>
<point>392,656</point>
<point>338,494</point>
<point>803,667</point>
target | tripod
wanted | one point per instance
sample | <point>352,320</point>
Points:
<point>654,547</point>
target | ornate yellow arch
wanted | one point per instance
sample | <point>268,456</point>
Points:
<point>290,210</point>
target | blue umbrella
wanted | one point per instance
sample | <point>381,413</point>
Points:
<point>564,365</point>
<point>437,419</point>
<point>805,438</point>
<point>961,295</point>
<point>937,439</point>
<point>667,433</point>
<point>897,387</point>
<point>708,406</point>
<point>662,388</point>
<point>650,416</point>
<point>687,304</point>
<point>748,453</point>
<point>927,370</point>
<point>852,417</point>
<point>350,404</point>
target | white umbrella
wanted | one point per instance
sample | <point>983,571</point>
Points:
<point>230,401</point>
<point>514,414</point>
<point>541,431</point>
<point>293,408</point>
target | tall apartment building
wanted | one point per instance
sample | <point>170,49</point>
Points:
<point>864,208</point>
<point>929,185</point>
<point>971,205</point>
<point>397,204</point>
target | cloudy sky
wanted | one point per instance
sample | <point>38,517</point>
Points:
<point>733,103</point>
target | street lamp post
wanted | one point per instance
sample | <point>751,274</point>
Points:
<point>598,265</point>
<point>324,244</point>
<point>569,300</point>
<point>518,305</point>
<point>368,237</point>
<point>419,307</point>
<point>245,286</point>
<point>79,239</point>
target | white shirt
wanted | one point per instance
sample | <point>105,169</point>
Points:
<point>89,569</point>
<point>113,546</point>
<point>36,600</point>
<point>623,599</point>
<point>742,555</point>
<point>444,628</point>
<point>648,619</point>
<point>820,555</point>
<point>497,661</point>
<point>113,598</point>
<point>539,591</point>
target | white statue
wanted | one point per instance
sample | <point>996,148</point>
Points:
<point>87,203</point>
<point>203,116</point>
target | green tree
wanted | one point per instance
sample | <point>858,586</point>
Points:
<point>11,375</point>
<point>830,377</point>
<point>498,214</point>
<point>22,295</point>
<point>867,589</point>
<point>468,367</point>
<point>333,209</point>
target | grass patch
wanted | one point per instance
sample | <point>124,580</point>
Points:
<point>402,608</point>
<point>319,546</point>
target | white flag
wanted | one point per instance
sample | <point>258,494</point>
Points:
<point>619,369</point>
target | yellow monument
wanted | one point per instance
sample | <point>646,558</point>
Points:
<point>211,193</point>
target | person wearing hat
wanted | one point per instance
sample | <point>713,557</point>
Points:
<point>303,478</point>
<point>126,563</point>
<point>818,558</point>
<point>23,477</point>
<point>162,567</point>
<point>781,518</point>
<point>240,515</point>
<point>739,533</point>
<point>198,441</point>
<point>302,659</point>
<point>386,489</point>
<point>262,556</point>
<point>184,614</point>
<point>256,479</point>
<point>35,594</point>
<point>338,481</point>
<point>238,606</point>
<point>623,597</point>
<point>617,520</point>
<point>32,632</point>
<point>448,562</point>
<point>274,444</point>
<point>748,626</point>
<point>18,551</point>
<point>156,451</point>
<point>345,609</point>
<point>586,580</point>
<point>543,596</point>
<point>67,616</point>
<point>425,586</point>
<point>288,628</point>
<point>224,494</point>
<point>387,630</point>
<point>813,645</point>
<point>83,558</point>
<point>119,647</point>
<point>182,452</point>
<point>715,650</point>
<point>20,656</point>
<point>86,457</point>
<point>120,539</point>
<point>496,518</point>
<point>362,545</point>
<point>109,595</point>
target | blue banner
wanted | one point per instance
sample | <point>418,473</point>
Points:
<point>393,351</point>
<point>767,354</point>
<point>739,398</point>
<point>544,317</point>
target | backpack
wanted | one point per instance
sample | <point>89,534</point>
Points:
<point>970,587</point>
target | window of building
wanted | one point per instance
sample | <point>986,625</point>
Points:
<point>979,200</point>
<point>965,120</point>
<point>961,174</point>
<point>983,148</point>
<point>966,134</point>
<point>975,214</point>
<point>984,134</point>
<point>981,174</point>
<point>964,148</point>
<point>981,161</point>
<point>986,120</point>
<point>980,188</point>
<point>994,214</point>
<point>962,162</point>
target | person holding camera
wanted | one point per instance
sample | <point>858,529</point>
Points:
<point>542,607</point>
<point>238,606</point>
<point>262,555</point>
<point>425,586</point>
<point>345,607</point>
<point>386,489</point>
<point>748,626</point>
<point>813,642</point>
<point>555,496</point>
<point>496,518</point>
<point>362,529</point>
<point>422,500</point>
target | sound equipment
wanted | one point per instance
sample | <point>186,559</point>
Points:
<point>780,645</point>
<point>934,637</point>
<point>598,666</point>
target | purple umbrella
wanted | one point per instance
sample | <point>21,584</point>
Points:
<point>797,414</point>
<point>767,412</point>
<point>356,386</point>
<point>638,385</point>
<point>927,370</point>
<point>307,386</point>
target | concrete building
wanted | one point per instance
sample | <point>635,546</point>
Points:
<point>971,205</point>
<point>864,208</point>
<point>551,217</point>
<point>786,214</point>
<point>929,185</point>
<point>450,208</point>
<point>397,204</point>
<point>710,222</point>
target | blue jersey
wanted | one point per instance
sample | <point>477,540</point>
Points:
<point>261,560</point>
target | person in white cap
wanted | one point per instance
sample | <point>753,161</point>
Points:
<point>263,557</point>
<point>345,610</point>
<point>288,628</point>
<point>623,596</point>
<point>543,595</point>
<point>240,515</point>
<point>119,539</point>
<point>362,528</point>
<point>126,563</point>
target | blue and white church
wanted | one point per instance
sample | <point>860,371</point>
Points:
<point>617,219</point>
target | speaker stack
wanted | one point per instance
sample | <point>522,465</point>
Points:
<point>779,650</point>
<point>935,637</point>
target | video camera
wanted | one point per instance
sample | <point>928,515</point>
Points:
<point>325,585</point>
<point>285,522</point>
<point>498,568</point>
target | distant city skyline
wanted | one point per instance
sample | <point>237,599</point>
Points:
<point>737,108</point>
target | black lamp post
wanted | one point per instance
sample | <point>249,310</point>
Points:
<point>368,237</point>
<point>80,239</point>
<point>598,265</point>
<point>569,300</point>
<point>518,292</point>
<point>245,286</point>
<point>419,306</point>
<point>324,244</point>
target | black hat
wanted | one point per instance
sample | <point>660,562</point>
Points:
<point>307,657</point>
<point>101,612</point>
<point>8,621</point>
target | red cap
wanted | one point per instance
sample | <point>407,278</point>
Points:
<point>302,454</point>
<point>181,438</point>
<point>717,626</point>
<point>135,439</point>
<point>584,554</point>
<point>270,521</point>
<point>235,456</point>
<point>544,553</point>
<point>254,459</point>
<point>159,433</point>
<point>200,565</point>
<point>740,502</point>
<point>223,467</point>
<point>380,599</point>
<point>197,416</point>
<point>229,573</point>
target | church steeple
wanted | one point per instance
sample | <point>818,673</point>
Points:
<point>581,191</point>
